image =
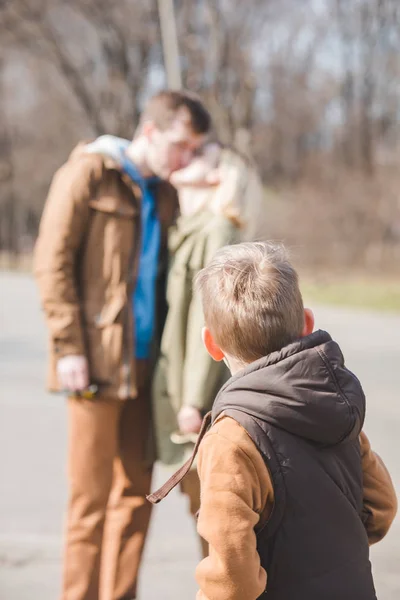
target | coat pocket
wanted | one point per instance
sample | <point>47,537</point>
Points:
<point>105,340</point>
<point>105,348</point>
<point>115,206</point>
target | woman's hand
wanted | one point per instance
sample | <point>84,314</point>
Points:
<point>202,171</point>
<point>189,420</point>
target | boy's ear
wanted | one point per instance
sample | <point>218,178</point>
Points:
<point>212,348</point>
<point>309,322</point>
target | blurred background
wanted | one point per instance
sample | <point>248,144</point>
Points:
<point>310,86</point>
<point>310,90</point>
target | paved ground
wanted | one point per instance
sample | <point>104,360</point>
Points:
<point>32,453</point>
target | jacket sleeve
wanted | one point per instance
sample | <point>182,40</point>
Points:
<point>62,228</point>
<point>379,502</point>
<point>230,492</point>
<point>201,374</point>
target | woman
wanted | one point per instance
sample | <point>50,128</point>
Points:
<point>213,194</point>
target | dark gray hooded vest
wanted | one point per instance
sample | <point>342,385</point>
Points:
<point>304,410</point>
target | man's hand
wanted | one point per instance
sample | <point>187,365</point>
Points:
<point>189,420</point>
<point>73,373</point>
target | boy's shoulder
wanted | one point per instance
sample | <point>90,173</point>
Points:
<point>226,426</point>
<point>227,448</point>
<point>229,435</point>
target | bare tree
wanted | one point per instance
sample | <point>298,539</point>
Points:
<point>311,88</point>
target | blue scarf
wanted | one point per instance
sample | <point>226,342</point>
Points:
<point>144,296</point>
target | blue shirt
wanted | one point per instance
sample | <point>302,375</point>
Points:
<point>144,296</point>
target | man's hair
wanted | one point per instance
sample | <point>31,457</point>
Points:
<point>163,107</point>
<point>251,300</point>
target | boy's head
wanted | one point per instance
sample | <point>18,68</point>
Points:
<point>174,124</point>
<point>252,303</point>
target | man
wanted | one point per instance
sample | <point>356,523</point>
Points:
<point>100,265</point>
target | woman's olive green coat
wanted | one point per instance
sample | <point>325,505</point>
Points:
<point>186,374</point>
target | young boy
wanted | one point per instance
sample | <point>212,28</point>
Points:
<point>291,493</point>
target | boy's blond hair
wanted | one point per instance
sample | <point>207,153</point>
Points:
<point>251,300</point>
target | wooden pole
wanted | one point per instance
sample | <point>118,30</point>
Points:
<point>170,43</point>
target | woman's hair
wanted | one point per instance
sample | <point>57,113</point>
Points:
<point>238,196</point>
<point>227,197</point>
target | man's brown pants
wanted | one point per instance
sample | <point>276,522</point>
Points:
<point>108,514</point>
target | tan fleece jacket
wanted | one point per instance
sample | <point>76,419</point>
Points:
<point>237,495</point>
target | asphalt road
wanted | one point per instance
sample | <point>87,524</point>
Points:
<point>32,455</point>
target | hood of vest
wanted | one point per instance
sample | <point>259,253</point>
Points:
<point>304,389</point>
